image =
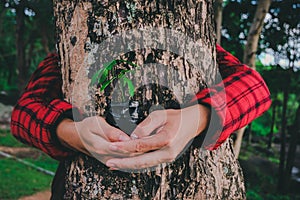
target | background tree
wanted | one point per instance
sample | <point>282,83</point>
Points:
<point>27,42</point>
<point>218,9</point>
<point>250,52</point>
<point>81,27</point>
<point>283,37</point>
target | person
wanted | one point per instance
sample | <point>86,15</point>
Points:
<point>41,118</point>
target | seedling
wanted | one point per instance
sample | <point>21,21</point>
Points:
<point>122,115</point>
<point>101,76</point>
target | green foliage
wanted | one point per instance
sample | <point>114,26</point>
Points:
<point>19,180</point>
<point>237,19</point>
<point>102,76</point>
<point>260,169</point>
<point>38,38</point>
<point>253,195</point>
<point>261,126</point>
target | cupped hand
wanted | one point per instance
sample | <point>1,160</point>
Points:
<point>92,136</point>
<point>162,136</point>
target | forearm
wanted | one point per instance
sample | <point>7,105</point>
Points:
<point>240,98</point>
<point>68,135</point>
<point>34,123</point>
<point>40,109</point>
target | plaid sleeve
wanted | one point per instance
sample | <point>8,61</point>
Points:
<point>240,98</point>
<point>40,109</point>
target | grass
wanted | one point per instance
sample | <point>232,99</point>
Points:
<point>19,180</point>
<point>8,140</point>
<point>45,162</point>
<point>260,172</point>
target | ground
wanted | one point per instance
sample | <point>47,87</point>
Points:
<point>260,168</point>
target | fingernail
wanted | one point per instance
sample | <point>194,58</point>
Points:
<point>113,169</point>
<point>123,138</point>
<point>134,136</point>
<point>113,147</point>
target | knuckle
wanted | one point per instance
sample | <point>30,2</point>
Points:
<point>139,146</point>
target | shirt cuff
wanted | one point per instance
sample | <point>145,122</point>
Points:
<point>215,99</point>
<point>64,110</point>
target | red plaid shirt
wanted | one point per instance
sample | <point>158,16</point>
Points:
<point>239,99</point>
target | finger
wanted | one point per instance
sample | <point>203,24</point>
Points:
<point>109,132</point>
<point>116,149</point>
<point>155,120</point>
<point>153,142</point>
<point>142,161</point>
<point>99,148</point>
<point>116,135</point>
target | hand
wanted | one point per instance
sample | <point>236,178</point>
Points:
<point>92,136</point>
<point>165,133</point>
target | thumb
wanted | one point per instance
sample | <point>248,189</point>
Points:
<point>154,121</point>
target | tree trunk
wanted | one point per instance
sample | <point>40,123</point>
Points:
<point>272,125</point>
<point>218,7</point>
<point>20,45</point>
<point>87,33</point>
<point>281,178</point>
<point>294,140</point>
<point>254,32</point>
<point>250,52</point>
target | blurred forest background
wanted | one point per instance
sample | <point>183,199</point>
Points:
<point>269,155</point>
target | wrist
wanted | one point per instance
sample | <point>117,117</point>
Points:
<point>200,114</point>
<point>205,114</point>
<point>68,135</point>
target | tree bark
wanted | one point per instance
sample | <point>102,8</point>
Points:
<point>250,52</point>
<point>82,28</point>
<point>218,7</point>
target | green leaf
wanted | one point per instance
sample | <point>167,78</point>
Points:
<point>95,76</point>
<point>103,76</point>
<point>106,83</point>
<point>103,72</point>
<point>130,86</point>
<point>109,65</point>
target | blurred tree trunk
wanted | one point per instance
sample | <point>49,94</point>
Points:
<point>281,178</point>
<point>20,45</point>
<point>275,104</point>
<point>82,27</point>
<point>254,32</point>
<point>250,53</point>
<point>272,127</point>
<point>218,7</point>
<point>294,140</point>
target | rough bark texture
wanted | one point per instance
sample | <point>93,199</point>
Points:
<point>82,27</point>
<point>250,53</point>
